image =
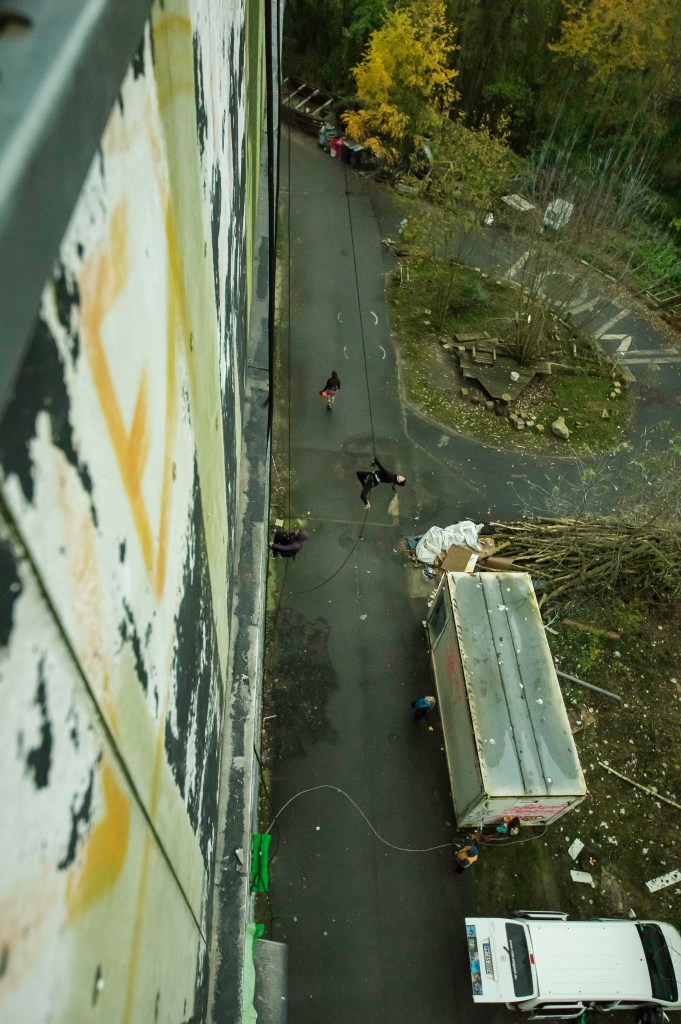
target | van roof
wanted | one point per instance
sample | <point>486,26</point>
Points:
<point>589,960</point>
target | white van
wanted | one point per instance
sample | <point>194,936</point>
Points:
<point>550,967</point>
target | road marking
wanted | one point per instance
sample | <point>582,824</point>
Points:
<point>655,352</point>
<point>382,350</point>
<point>578,307</point>
<point>340,319</point>
<point>518,265</point>
<point>374,316</point>
<point>345,351</point>
<point>624,340</point>
<point>652,361</point>
<point>611,323</point>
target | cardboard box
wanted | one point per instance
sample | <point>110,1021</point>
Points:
<point>459,559</point>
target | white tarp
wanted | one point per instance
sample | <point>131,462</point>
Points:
<point>439,539</point>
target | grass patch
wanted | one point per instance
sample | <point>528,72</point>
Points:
<point>432,380</point>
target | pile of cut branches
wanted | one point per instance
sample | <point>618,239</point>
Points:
<point>574,557</point>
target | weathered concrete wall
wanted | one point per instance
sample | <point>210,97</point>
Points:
<point>119,475</point>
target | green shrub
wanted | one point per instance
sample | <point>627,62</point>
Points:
<point>468,296</point>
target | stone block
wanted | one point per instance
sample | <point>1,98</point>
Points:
<point>559,429</point>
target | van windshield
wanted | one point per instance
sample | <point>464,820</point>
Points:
<point>662,977</point>
<point>519,956</point>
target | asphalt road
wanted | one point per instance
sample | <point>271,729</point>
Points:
<point>374,934</point>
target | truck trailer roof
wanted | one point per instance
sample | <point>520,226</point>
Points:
<point>521,727</point>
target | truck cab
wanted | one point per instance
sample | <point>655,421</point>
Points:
<point>547,966</point>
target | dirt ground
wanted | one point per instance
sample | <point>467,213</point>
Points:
<point>632,836</point>
<point>582,392</point>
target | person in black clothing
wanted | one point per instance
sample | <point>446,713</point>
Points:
<point>377,475</point>
<point>330,389</point>
<point>288,544</point>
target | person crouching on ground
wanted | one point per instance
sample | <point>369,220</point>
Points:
<point>466,857</point>
<point>288,544</point>
<point>422,707</point>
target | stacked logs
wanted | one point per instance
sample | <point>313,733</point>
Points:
<point>574,557</point>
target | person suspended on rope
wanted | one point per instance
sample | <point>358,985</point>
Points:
<point>288,544</point>
<point>330,389</point>
<point>375,476</point>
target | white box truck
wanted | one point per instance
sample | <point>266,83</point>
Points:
<point>507,737</point>
<point>550,967</point>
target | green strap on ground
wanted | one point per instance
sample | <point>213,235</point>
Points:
<point>260,881</point>
<point>253,933</point>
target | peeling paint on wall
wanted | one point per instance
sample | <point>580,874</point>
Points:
<point>119,464</point>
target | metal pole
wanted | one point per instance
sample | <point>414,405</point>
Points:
<point>589,686</point>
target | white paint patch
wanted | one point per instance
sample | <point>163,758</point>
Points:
<point>611,322</point>
<point>663,352</point>
<point>624,340</point>
<point>382,350</point>
<point>581,306</point>
<point>518,265</point>
<point>375,317</point>
<point>652,360</point>
<point>340,319</point>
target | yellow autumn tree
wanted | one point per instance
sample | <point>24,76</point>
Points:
<point>404,82</point>
<point>610,37</point>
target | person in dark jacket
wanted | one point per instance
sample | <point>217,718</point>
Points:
<point>288,544</point>
<point>375,476</point>
<point>330,389</point>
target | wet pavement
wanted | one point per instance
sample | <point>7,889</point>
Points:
<point>375,934</point>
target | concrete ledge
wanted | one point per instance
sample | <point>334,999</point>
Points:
<point>231,906</point>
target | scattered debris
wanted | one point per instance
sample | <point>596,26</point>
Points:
<point>589,686</point>
<point>582,876</point>
<point>662,881</point>
<point>645,789</point>
<point>576,848</point>
<point>586,628</point>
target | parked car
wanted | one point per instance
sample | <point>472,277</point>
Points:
<point>549,967</point>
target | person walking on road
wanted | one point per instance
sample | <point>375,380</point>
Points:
<point>376,475</point>
<point>331,389</point>
<point>422,707</point>
<point>466,857</point>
